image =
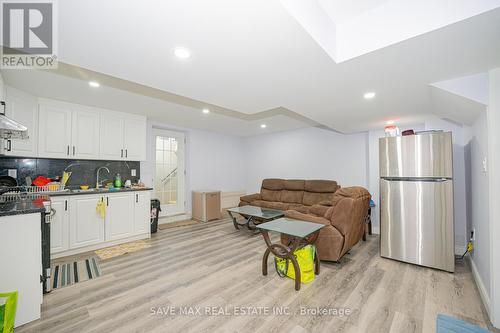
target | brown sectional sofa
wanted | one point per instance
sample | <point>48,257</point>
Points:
<point>296,194</point>
<point>344,219</point>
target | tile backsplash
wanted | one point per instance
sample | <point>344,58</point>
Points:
<point>83,171</point>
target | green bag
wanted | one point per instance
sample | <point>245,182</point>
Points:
<point>305,259</point>
<point>8,305</point>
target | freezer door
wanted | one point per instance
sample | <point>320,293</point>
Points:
<point>422,155</point>
<point>416,222</point>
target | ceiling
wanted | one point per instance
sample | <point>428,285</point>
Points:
<point>254,62</point>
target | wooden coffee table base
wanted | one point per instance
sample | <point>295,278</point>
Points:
<point>286,252</point>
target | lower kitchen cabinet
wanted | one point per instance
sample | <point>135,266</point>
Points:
<point>77,226</point>
<point>59,225</point>
<point>86,226</point>
<point>119,216</point>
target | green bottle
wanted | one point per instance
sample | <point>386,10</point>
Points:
<point>118,181</point>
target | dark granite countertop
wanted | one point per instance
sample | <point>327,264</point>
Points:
<point>100,191</point>
<point>21,206</point>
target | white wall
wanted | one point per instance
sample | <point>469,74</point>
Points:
<point>213,161</point>
<point>310,153</point>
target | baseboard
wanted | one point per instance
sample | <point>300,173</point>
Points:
<point>480,285</point>
<point>174,218</point>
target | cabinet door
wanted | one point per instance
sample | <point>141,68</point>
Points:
<point>135,138</point>
<point>119,216</point>
<point>86,224</point>
<point>59,225</point>
<point>111,141</point>
<point>85,134</point>
<point>142,212</point>
<point>54,131</point>
<point>22,108</point>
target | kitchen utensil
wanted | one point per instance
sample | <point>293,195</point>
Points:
<point>65,177</point>
<point>41,181</point>
<point>84,187</point>
<point>128,183</point>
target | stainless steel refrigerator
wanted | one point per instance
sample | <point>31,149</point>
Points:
<point>416,199</point>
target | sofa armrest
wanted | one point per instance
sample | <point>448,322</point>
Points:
<point>293,214</point>
<point>250,197</point>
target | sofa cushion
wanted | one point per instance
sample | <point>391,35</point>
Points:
<point>299,208</point>
<point>292,196</point>
<point>321,186</point>
<point>271,204</point>
<point>294,184</point>
<point>313,198</point>
<point>270,195</point>
<point>273,184</point>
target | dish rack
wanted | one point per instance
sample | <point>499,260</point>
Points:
<point>49,188</point>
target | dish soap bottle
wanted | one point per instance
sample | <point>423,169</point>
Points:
<point>118,181</point>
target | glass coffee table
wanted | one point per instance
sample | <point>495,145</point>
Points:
<point>250,213</point>
<point>300,233</point>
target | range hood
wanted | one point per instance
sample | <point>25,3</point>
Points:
<point>11,129</point>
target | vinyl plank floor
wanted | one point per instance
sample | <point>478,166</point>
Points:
<point>213,266</point>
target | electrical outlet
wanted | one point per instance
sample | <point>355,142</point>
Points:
<point>133,172</point>
<point>13,173</point>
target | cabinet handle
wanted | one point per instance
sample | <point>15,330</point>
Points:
<point>137,198</point>
<point>126,152</point>
<point>68,150</point>
<point>121,154</point>
<point>9,145</point>
<point>73,150</point>
<point>107,201</point>
<point>66,205</point>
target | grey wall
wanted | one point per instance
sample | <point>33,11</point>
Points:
<point>477,183</point>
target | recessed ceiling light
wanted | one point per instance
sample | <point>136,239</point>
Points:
<point>205,111</point>
<point>369,95</point>
<point>182,53</point>
<point>263,126</point>
<point>94,84</point>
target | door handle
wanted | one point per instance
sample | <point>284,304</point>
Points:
<point>73,150</point>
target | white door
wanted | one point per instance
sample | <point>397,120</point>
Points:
<point>24,109</point>
<point>119,216</point>
<point>59,225</point>
<point>135,138</point>
<point>85,134</point>
<point>142,212</point>
<point>112,136</point>
<point>86,224</point>
<point>170,171</point>
<point>54,138</point>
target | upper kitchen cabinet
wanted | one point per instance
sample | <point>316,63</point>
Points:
<point>68,131</point>
<point>54,131</point>
<point>22,107</point>
<point>123,136</point>
<point>85,134</point>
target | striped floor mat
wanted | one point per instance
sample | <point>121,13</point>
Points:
<point>65,274</point>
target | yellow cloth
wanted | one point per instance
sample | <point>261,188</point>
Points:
<point>101,208</point>
<point>305,259</point>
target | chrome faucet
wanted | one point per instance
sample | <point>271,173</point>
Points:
<point>98,185</point>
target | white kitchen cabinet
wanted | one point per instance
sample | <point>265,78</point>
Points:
<point>135,138</point>
<point>112,127</point>
<point>86,224</point>
<point>142,212</point>
<point>59,225</point>
<point>22,107</point>
<point>54,131</point>
<point>85,134</point>
<point>123,136</point>
<point>119,216</point>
